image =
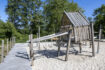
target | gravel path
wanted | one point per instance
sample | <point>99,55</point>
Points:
<point>46,58</point>
<point>17,59</point>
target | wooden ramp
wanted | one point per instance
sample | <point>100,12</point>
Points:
<point>50,36</point>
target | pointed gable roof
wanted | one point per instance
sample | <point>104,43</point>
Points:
<point>77,18</point>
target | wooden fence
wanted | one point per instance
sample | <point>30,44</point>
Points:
<point>5,47</point>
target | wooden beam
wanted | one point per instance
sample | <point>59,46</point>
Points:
<point>68,45</point>
<point>66,26</point>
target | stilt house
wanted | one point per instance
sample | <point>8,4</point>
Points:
<point>79,25</point>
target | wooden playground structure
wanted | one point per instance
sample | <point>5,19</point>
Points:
<point>75,28</point>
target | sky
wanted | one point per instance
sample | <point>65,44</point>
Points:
<point>88,5</point>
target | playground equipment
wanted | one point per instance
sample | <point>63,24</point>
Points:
<point>75,28</point>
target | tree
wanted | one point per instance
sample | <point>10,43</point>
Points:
<point>53,11</point>
<point>22,13</point>
<point>99,14</point>
<point>7,30</point>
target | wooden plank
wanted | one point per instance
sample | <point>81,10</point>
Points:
<point>2,51</point>
<point>86,33</point>
<point>80,32</point>
<point>92,38</point>
<point>100,32</point>
<point>66,26</point>
<point>68,45</point>
<point>74,32</point>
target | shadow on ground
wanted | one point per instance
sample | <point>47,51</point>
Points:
<point>22,55</point>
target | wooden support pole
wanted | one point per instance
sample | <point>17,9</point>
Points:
<point>14,40</point>
<point>100,32</point>
<point>2,51</point>
<point>68,45</point>
<point>58,50</point>
<point>7,47</point>
<point>29,46</point>
<point>39,37</point>
<point>90,44</point>
<point>92,38</point>
<point>80,47</point>
<point>58,47</point>
<point>31,50</point>
<point>10,43</point>
<point>37,44</point>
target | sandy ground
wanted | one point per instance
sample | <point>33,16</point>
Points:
<point>46,58</point>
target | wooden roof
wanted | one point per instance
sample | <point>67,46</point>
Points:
<point>77,19</point>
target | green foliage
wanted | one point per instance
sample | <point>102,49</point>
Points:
<point>8,30</point>
<point>99,14</point>
<point>23,38</point>
<point>22,13</point>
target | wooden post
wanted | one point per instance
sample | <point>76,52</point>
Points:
<point>29,46</point>
<point>100,32</point>
<point>80,47</point>
<point>92,38</point>
<point>39,37</point>
<point>58,47</point>
<point>31,50</point>
<point>7,47</point>
<point>2,51</point>
<point>68,45</point>
<point>10,43</point>
<point>14,41</point>
<point>90,44</point>
<point>37,44</point>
